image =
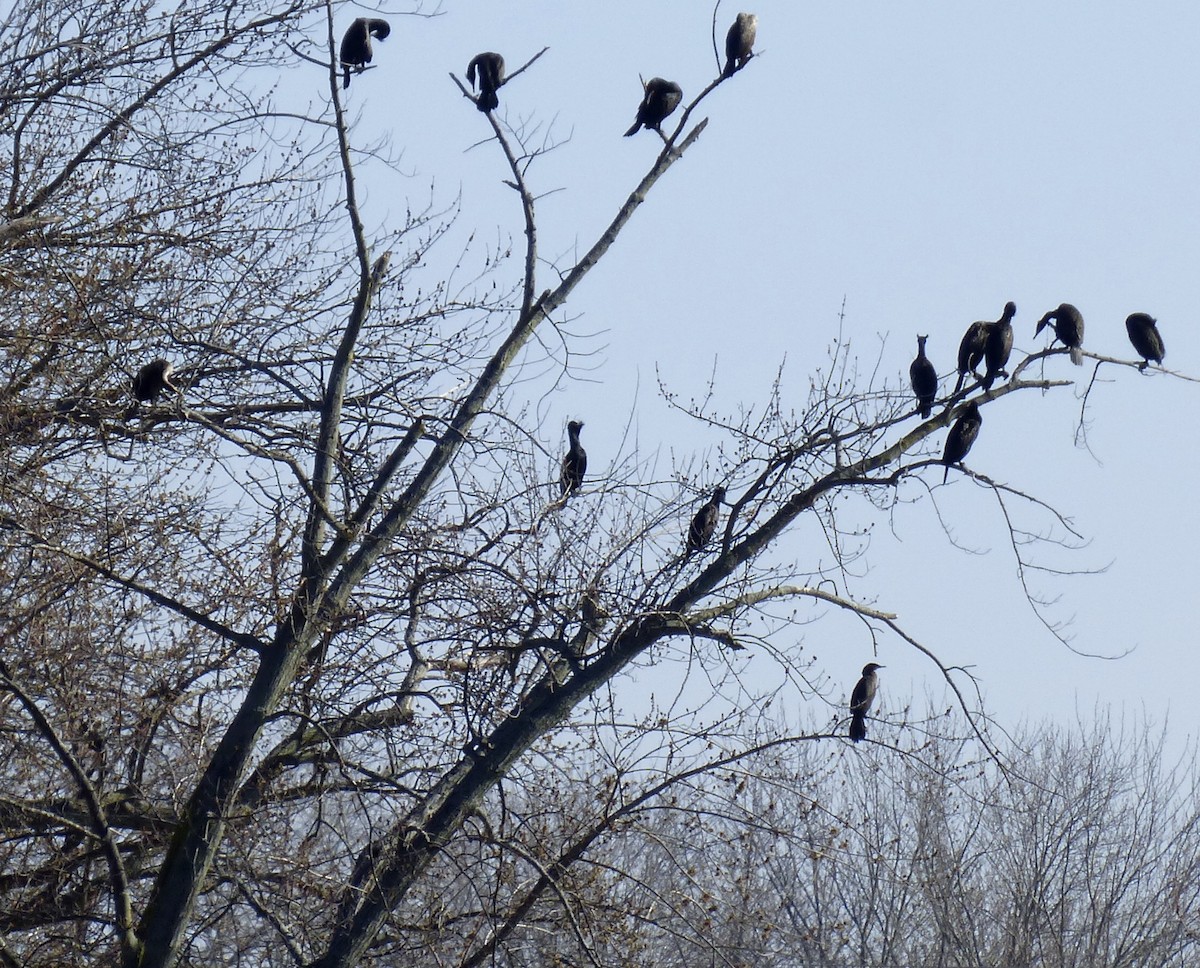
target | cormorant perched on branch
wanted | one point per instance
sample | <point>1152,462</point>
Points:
<point>861,699</point>
<point>356,45</point>
<point>1144,335</point>
<point>962,435</point>
<point>491,75</point>
<point>973,347</point>
<point>970,351</point>
<point>574,464</point>
<point>998,347</point>
<point>1068,328</point>
<point>151,380</point>
<point>658,101</point>
<point>924,379</point>
<point>739,43</point>
<point>705,522</point>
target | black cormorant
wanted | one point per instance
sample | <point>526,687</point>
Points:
<point>1068,329</point>
<point>962,435</point>
<point>151,380</point>
<point>705,522</point>
<point>1144,335</point>
<point>490,67</point>
<point>924,379</point>
<point>998,347</point>
<point>861,699</point>
<point>970,351</point>
<point>574,464</point>
<point>739,42</point>
<point>356,45</point>
<point>658,101</point>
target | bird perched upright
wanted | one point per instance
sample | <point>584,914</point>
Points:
<point>973,348</point>
<point>998,347</point>
<point>705,522</point>
<point>490,68</point>
<point>356,45</point>
<point>659,99</point>
<point>861,700</point>
<point>924,379</point>
<point>970,351</point>
<point>151,380</point>
<point>1068,329</point>
<point>739,43</point>
<point>962,435</point>
<point>574,464</point>
<point>1143,334</point>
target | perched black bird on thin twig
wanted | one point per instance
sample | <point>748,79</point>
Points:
<point>356,45</point>
<point>659,99</point>
<point>739,43</point>
<point>705,522</point>
<point>924,379</point>
<point>151,380</point>
<point>998,347</point>
<point>861,700</point>
<point>490,68</point>
<point>1143,334</point>
<point>962,435</point>
<point>1068,329</point>
<point>574,464</point>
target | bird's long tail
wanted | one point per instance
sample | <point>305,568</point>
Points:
<point>1077,356</point>
<point>858,727</point>
<point>634,130</point>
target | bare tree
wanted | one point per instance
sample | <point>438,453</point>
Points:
<point>290,653</point>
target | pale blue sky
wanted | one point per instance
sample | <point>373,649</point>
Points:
<point>925,162</point>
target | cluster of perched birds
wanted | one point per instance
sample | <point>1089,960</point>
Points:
<point>986,342</point>
<point>659,97</point>
<point>990,343</point>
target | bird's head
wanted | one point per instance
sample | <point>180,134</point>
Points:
<point>719,495</point>
<point>574,426</point>
<point>870,667</point>
<point>1010,310</point>
<point>1043,323</point>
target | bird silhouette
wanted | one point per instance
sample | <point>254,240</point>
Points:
<point>1143,334</point>
<point>998,347</point>
<point>659,99</point>
<point>924,379</point>
<point>1068,329</point>
<point>490,67</point>
<point>150,381</point>
<point>739,43</point>
<point>356,45</point>
<point>861,700</point>
<point>962,435</point>
<point>574,464</point>
<point>705,522</point>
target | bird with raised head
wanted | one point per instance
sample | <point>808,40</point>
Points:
<point>924,379</point>
<point>489,66</point>
<point>705,522</point>
<point>739,43</point>
<point>150,381</point>
<point>659,99</point>
<point>962,435</point>
<point>1145,337</point>
<point>574,464</point>
<point>356,45</point>
<point>998,347</point>
<point>1068,329</point>
<point>861,700</point>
